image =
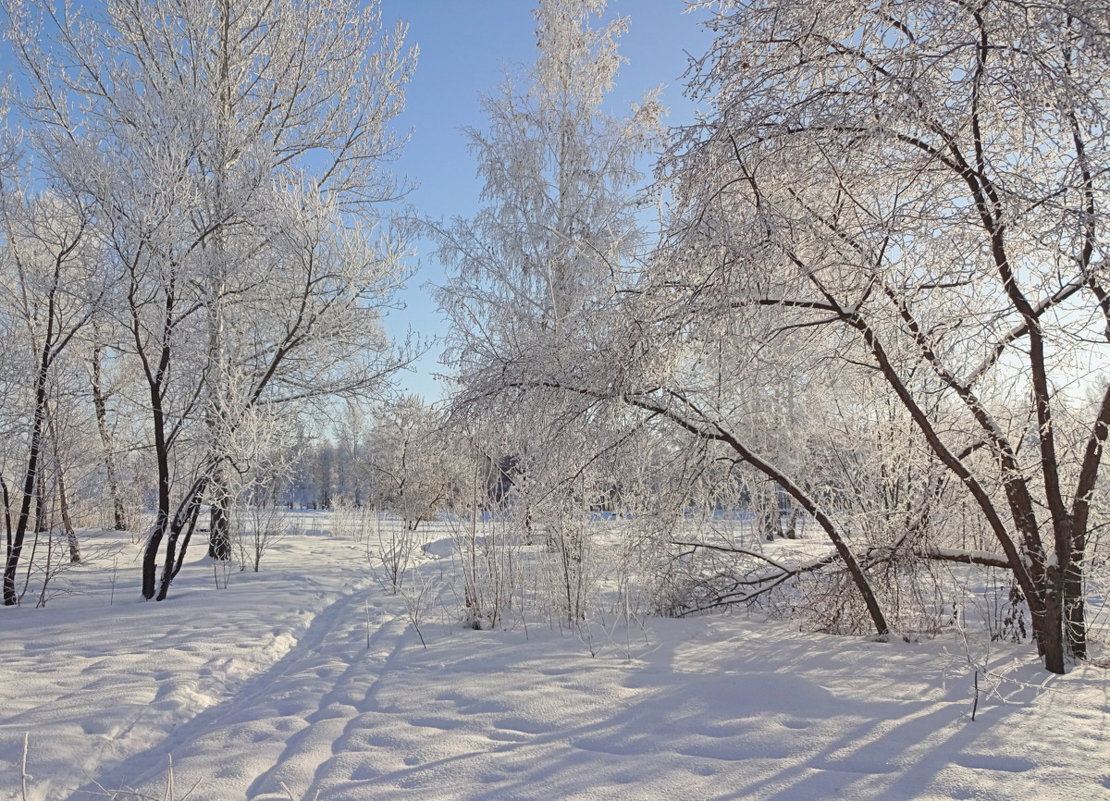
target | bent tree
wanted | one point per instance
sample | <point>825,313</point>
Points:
<point>924,184</point>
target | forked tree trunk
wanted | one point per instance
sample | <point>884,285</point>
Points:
<point>162,515</point>
<point>184,521</point>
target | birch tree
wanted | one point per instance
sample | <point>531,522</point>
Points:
<point>101,394</point>
<point>556,233</point>
<point>558,227</point>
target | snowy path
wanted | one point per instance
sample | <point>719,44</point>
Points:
<point>271,684</point>
<point>727,714</point>
<point>269,732</point>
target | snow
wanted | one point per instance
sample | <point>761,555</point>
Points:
<point>308,680</point>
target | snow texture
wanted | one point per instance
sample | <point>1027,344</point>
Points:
<point>308,681</point>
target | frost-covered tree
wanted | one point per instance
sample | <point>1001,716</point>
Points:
<point>558,226</point>
<point>50,291</point>
<point>916,190</point>
<point>896,205</point>
<point>412,470</point>
<point>234,152</point>
<point>107,374</point>
<point>556,233</point>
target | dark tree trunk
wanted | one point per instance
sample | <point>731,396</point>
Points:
<point>219,532</point>
<point>184,521</point>
<point>162,516</point>
<point>1051,636</point>
<point>150,554</point>
<point>189,529</point>
<point>30,482</point>
<point>7,513</point>
<point>1074,612</point>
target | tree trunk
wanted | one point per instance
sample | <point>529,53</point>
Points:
<point>67,521</point>
<point>150,553</point>
<point>100,406</point>
<point>1075,615</point>
<point>791,532</point>
<point>219,533</point>
<point>189,529</point>
<point>162,516</point>
<point>183,521</point>
<point>63,496</point>
<point>859,578</point>
<point>1050,638</point>
<point>30,480</point>
<point>42,524</point>
<point>7,513</point>
<point>1074,611</point>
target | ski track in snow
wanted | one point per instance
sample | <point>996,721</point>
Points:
<point>273,717</point>
<point>289,698</point>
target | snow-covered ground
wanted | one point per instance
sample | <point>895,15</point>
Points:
<point>308,680</point>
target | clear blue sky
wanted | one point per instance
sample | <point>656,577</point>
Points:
<point>466,49</point>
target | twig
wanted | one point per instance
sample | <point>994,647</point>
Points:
<point>115,571</point>
<point>975,703</point>
<point>23,775</point>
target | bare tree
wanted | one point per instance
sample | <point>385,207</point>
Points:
<point>915,188</point>
<point>101,396</point>
<point>559,227</point>
<point>413,473</point>
<point>47,285</point>
<point>555,237</point>
<point>235,155</point>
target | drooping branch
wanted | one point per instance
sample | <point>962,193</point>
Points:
<point>716,431</point>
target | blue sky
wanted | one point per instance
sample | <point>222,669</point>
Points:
<point>466,49</point>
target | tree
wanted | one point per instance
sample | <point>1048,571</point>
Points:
<point>48,287</point>
<point>558,227</point>
<point>558,230</point>
<point>235,154</point>
<point>411,472</point>
<point>101,394</point>
<point>921,184</point>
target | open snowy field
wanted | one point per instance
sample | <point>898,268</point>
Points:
<point>309,681</point>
